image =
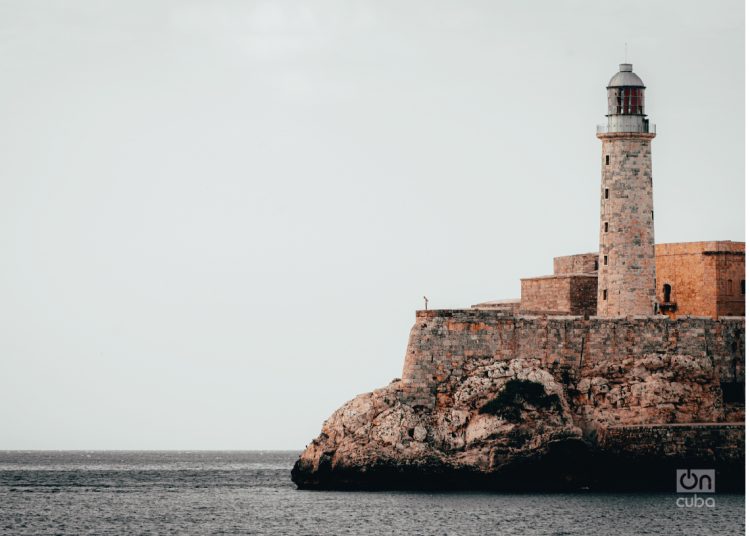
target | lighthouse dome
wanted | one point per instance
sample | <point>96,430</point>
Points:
<point>626,77</point>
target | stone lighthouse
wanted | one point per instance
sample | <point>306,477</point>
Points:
<point>627,269</point>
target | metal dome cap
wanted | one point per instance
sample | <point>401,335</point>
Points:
<point>626,77</point>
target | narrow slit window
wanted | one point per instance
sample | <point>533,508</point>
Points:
<point>606,193</point>
<point>606,226</point>
<point>604,294</point>
<point>605,260</point>
<point>667,291</point>
<point>652,215</point>
<point>742,287</point>
<point>606,160</point>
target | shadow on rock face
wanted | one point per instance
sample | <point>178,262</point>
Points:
<point>563,466</point>
<point>509,402</point>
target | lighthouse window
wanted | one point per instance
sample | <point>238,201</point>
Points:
<point>606,227</point>
<point>606,190</point>
<point>630,100</point>
<point>606,160</point>
<point>605,260</point>
<point>604,294</point>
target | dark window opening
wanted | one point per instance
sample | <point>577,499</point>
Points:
<point>606,160</point>
<point>742,287</point>
<point>606,193</point>
<point>733,392</point>
<point>652,215</point>
<point>605,260</point>
<point>667,290</point>
<point>606,227</point>
<point>630,100</point>
<point>604,294</point>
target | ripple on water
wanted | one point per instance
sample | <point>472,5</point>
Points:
<point>251,493</point>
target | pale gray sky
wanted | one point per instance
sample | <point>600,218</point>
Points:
<point>217,218</point>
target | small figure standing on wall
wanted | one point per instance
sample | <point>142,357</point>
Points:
<point>425,302</point>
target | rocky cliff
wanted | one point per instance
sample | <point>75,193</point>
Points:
<point>488,400</point>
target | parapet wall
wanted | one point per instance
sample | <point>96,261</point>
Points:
<point>576,264</point>
<point>615,370</point>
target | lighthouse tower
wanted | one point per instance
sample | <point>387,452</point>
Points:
<point>627,270</point>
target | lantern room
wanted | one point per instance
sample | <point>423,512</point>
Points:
<point>626,92</point>
<point>626,102</point>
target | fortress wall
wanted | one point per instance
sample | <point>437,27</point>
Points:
<point>713,443</point>
<point>615,370</point>
<point>559,295</point>
<point>576,264</point>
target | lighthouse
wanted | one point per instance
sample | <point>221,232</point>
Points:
<point>627,268</point>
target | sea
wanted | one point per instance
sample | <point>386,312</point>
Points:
<point>250,492</point>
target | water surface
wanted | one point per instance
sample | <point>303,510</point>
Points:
<point>224,492</point>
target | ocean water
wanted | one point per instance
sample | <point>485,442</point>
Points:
<point>251,493</point>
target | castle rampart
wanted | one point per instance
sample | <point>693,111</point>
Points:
<point>616,371</point>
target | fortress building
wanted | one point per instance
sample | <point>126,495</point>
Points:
<point>622,367</point>
<point>701,279</point>
<point>630,276</point>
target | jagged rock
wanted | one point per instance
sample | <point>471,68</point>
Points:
<point>480,406</point>
<point>495,425</point>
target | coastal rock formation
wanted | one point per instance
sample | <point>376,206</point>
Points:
<point>491,401</point>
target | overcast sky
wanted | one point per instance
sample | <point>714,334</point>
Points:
<point>217,218</point>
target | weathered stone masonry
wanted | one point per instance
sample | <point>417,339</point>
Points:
<point>664,440</point>
<point>701,278</point>
<point>617,371</point>
<point>559,294</point>
<point>627,269</point>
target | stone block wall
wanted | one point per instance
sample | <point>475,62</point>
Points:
<point>680,441</point>
<point>627,273</point>
<point>559,294</point>
<point>576,264</point>
<point>705,278</point>
<point>730,279</point>
<point>510,307</point>
<point>615,371</point>
<point>691,276</point>
<point>583,295</point>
